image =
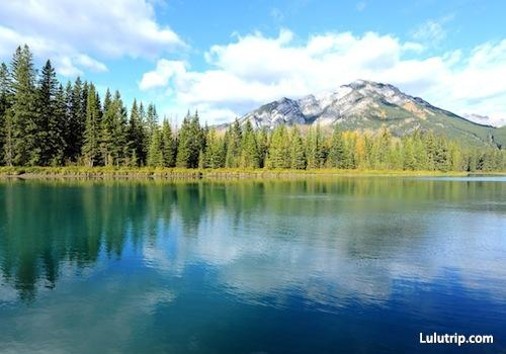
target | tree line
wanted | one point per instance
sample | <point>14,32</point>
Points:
<point>313,148</point>
<point>43,123</point>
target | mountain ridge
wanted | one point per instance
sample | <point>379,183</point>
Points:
<point>370,106</point>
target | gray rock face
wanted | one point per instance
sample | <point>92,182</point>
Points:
<point>360,98</point>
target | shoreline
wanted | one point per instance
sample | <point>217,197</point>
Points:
<point>176,173</point>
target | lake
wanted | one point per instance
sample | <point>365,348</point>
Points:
<point>325,265</point>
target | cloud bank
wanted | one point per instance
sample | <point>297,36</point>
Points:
<point>76,33</point>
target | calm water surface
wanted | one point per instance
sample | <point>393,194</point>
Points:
<point>317,266</point>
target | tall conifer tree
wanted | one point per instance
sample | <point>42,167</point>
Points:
<point>190,142</point>
<point>136,137</point>
<point>23,122</point>
<point>76,120</point>
<point>336,157</point>
<point>155,152</point>
<point>315,148</point>
<point>49,129</point>
<point>297,152</point>
<point>214,156</point>
<point>5,104</point>
<point>279,149</point>
<point>250,156</point>
<point>91,146</point>
<point>107,130</point>
<point>168,145</point>
<point>57,125</point>
<point>233,144</point>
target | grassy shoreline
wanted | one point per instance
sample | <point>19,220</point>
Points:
<point>225,173</point>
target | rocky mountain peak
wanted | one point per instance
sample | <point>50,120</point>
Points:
<point>359,98</point>
<point>367,106</point>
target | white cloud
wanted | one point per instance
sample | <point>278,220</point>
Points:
<point>71,66</point>
<point>255,69</point>
<point>66,67</point>
<point>74,34</point>
<point>90,63</point>
<point>165,70</point>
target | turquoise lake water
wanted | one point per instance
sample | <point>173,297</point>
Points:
<point>337,265</point>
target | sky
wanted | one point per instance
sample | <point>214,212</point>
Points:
<point>225,58</point>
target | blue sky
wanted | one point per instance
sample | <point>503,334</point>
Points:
<point>227,57</point>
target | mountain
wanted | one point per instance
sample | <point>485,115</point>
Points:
<point>370,106</point>
<point>500,136</point>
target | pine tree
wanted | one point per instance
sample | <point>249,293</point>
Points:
<point>278,155</point>
<point>8,153</point>
<point>408,154</point>
<point>395,156</point>
<point>5,105</point>
<point>190,142</point>
<point>456,157</point>
<point>336,157</point>
<point>423,160</point>
<point>24,147</point>
<point>298,153</point>
<point>49,121</point>
<point>120,132</point>
<point>350,158</point>
<point>76,121</point>
<point>146,141</point>
<point>316,151</point>
<point>199,143</point>
<point>382,145</point>
<point>113,131</point>
<point>441,155</point>
<point>151,120</point>
<point>136,137</point>
<point>249,156</point>
<point>168,145</point>
<point>359,150</point>
<point>214,155</point>
<point>233,140</point>
<point>183,144</point>
<point>107,130</point>
<point>66,122</point>
<point>262,138</point>
<point>56,129</point>
<point>91,147</point>
<point>155,154</point>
